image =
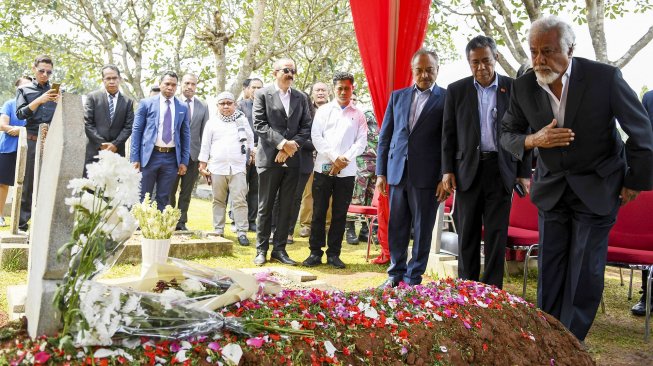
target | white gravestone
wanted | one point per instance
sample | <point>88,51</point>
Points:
<point>52,221</point>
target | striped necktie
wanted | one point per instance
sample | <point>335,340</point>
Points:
<point>111,109</point>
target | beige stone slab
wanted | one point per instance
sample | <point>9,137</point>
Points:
<point>16,297</point>
<point>292,274</point>
<point>189,248</point>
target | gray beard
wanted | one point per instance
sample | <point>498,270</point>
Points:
<point>547,78</point>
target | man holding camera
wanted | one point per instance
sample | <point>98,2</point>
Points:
<point>339,134</point>
<point>472,159</point>
<point>223,157</point>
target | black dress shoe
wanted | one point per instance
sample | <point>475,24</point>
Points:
<point>252,227</point>
<point>336,262</point>
<point>242,240</point>
<point>260,258</point>
<point>313,260</point>
<point>388,283</point>
<point>351,237</point>
<point>282,257</point>
<point>181,227</point>
<point>639,309</point>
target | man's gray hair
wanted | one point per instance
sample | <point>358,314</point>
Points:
<point>425,51</point>
<point>277,64</point>
<point>567,37</point>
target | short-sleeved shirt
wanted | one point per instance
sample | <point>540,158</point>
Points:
<point>8,143</point>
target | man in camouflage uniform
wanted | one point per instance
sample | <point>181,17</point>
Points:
<point>365,179</point>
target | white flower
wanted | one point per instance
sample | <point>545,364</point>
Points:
<point>443,349</point>
<point>329,348</point>
<point>232,353</point>
<point>192,285</point>
<point>295,325</point>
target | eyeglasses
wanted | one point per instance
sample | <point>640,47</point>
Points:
<point>288,70</point>
<point>222,104</point>
<point>44,71</point>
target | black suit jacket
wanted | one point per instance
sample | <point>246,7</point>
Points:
<point>273,125</point>
<point>595,165</point>
<point>461,135</point>
<point>417,150</point>
<point>99,129</point>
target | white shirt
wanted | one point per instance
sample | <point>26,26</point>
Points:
<point>338,132</point>
<point>558,106</point>
<point>285,100</point>
<point>163,107</point>
<point>221,149</point>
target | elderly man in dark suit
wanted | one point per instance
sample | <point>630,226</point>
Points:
<point>472,159</point>
<point>108,116</point>
<point>198,113</point>
<point>282,121</point>
<point>408,161</point>
<point>584,170</point>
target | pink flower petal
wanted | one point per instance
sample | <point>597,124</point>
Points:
<point>255,342</point>
<point>41,357</point>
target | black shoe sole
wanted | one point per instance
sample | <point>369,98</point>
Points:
<point>311,264</point>
<point>280,261</point>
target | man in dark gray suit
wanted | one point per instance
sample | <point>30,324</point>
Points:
<point>108,116</point>
<point>282,121</point>
<point>199,114</point>
<point>245,105</point>
<point>472,159</point>
<point>584,170</point>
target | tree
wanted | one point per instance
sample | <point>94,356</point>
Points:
<point>506,22</point>
<point>82,35</point>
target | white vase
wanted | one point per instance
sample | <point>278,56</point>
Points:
<point>153,251</point>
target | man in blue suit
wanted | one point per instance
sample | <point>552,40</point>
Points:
<point>160,146</point>
<point>408,161</point>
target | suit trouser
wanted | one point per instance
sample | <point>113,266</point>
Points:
<point>252,193</point>
<point>236,185</point>
<point>187,184</point>
<point>326,188</point>
<point>306,209</point>
<point>28,186</point>
<point>272,182</point>
<point>572,256</point>
<point>296,203</point>
<point>485,206</point>
<point>162,171</point>
<point>416,206</point>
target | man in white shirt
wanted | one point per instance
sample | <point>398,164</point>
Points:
<point>223,157</point>
<point>339,134</point>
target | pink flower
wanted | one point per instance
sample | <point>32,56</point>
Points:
<point>214,346</point>
<point>41,357</point>
<point>174,347</point>
<point>255,342</point>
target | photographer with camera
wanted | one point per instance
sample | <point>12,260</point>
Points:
<point>226,146</point>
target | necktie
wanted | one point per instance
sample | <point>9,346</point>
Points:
<point>111,110</point>
<point>190,111</point>
<point>166,136</point>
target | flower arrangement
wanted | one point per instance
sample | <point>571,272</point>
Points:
<point>155,224</point>
<point>447,322</point>
<point>103,222</point>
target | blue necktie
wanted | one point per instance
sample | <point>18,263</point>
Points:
<point>111,111</point>
<point>166,136</point>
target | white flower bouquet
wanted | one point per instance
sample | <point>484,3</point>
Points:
<point>155,224</point>
<point>103,222</point>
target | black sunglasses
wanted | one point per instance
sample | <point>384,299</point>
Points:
<point>288,71</point>
<point>44,71</point>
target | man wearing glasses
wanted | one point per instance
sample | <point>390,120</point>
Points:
<point>108,116</point>
<point>282,121</point>
<point>472,159</point>
<point>36,104</point>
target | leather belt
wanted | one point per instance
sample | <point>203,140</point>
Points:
<point>32,137</point>
<point>164,149</point>
<point>487,155</point>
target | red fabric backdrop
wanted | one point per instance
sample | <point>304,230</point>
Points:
<point>388,33</point>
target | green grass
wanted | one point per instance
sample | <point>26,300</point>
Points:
<point>615,339</point>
